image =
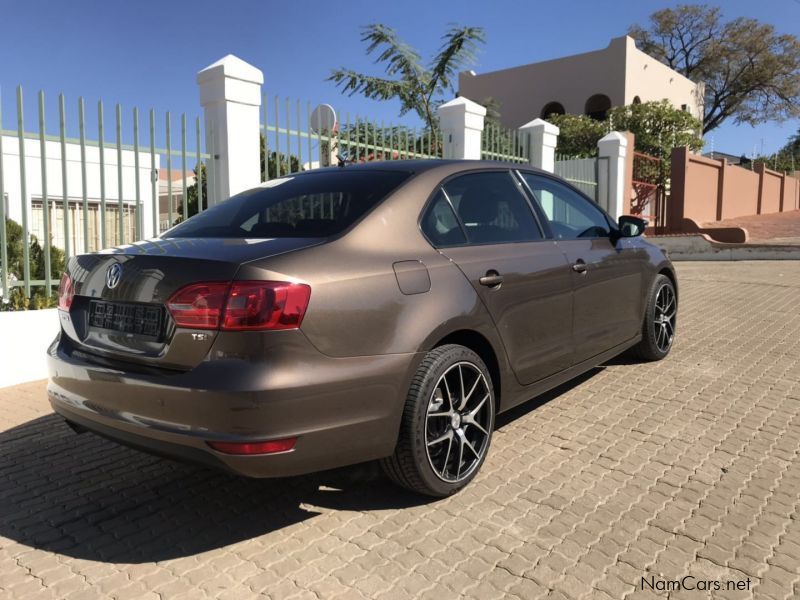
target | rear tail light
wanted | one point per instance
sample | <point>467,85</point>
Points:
<point>269,447</point>
<point>241,305</point>
<point>266,305</point>
<point>66,292</point>
<point>198,306</point>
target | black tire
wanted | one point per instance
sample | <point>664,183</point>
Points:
<point>419,462</point>
<point>660,318</point>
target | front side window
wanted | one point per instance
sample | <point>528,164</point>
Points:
<point>312,205</point>
<point>492,209</point>
<point>571,216</point>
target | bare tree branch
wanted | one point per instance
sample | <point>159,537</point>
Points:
<point>751,74</point>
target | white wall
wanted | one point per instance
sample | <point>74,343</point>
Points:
<point>24,338</point>
<point>33,176</point>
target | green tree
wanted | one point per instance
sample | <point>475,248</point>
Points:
<point>492,107</point>
<point>14,241</point>
<point>365,141</point>
<point>497,138</point>
<point>192,197</point>
<point>36,260</point>
<point>578,134</point>
<point>792,147</point>
<point>418,88</point>
<point>751,73</point>
<point>289,164</point>
<point>658,127</point>
<point>785,160</point>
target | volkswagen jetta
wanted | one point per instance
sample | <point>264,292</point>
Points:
<point>383,311</point>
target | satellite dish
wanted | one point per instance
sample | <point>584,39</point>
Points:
<point>323,119</point>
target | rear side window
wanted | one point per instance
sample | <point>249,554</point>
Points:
<point>311,205</point>
<point>492,209</point>
<point>439,224</point>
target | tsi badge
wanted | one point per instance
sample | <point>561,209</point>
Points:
<point>113,275</point>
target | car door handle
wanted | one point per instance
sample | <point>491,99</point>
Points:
<point>579,266</point>
<point>491,279</point>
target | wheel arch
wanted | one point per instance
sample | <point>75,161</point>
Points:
<point>478,343</point>
<point>670,274</point>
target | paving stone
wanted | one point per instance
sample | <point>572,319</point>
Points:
<point>686,466</point>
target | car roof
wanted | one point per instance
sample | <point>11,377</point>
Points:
<point>417,166</point>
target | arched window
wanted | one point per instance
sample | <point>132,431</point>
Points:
<point>552,108</point>
<point>597,106</point>
<point>637,100</point>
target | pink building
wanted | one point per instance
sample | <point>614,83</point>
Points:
<point>588,83</point>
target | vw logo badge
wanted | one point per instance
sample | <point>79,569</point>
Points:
<point>113,275</point>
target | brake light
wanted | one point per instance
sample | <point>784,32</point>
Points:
<point>240,306</point>
<point>265,305</point>
<point>66,292</point>
<point>198,306</point>
<point>269,447</point>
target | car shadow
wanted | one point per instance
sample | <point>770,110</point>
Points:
<point>531,405</point>
<point>626,358</point>
<point>86,497</point>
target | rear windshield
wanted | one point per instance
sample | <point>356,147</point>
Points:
<point>310,205</point>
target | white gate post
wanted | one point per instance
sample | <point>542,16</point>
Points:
<point>614,148</point>
<point>542,139</point>
<point>230,93</point>
<point>461,121</point>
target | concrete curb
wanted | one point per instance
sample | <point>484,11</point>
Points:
<point>702,247</point>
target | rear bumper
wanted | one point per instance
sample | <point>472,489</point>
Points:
<point>342,410</point>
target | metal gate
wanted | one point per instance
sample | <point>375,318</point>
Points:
<point>649,196</point>
<point>590,175</point>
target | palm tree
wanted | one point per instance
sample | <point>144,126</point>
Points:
<point>418,88</point>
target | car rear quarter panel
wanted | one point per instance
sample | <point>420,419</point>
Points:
<point>357,307</point>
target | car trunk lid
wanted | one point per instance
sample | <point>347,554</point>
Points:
<point>119,309</point>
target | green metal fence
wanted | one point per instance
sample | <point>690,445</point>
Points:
<point>73,219</point>
<point>76,191</point>
<point>580,172</point>
<point>507,145</point>
<point>291,144</point>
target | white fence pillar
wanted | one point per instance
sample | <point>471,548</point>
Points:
<point>461,121</point>
<point>614,148</point>
<point>230,92</point>
<point>542,138</point>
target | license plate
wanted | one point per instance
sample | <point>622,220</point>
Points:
<point>126,317</point>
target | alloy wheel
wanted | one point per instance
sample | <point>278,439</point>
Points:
<point>458,422</point>
<point>664,319</point>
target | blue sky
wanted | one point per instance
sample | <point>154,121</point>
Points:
<point>147,53</point>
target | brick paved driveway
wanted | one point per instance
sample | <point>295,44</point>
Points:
<point>775,227</point>
<point>686,467</point>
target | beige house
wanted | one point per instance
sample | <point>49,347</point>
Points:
<point>588,83</point>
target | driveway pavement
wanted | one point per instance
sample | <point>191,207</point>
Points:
<point>775,228</point>
<point>688,467</point>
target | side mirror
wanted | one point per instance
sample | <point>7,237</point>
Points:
<point>630,226</point>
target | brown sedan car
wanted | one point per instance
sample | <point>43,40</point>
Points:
<point>383,311</point>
